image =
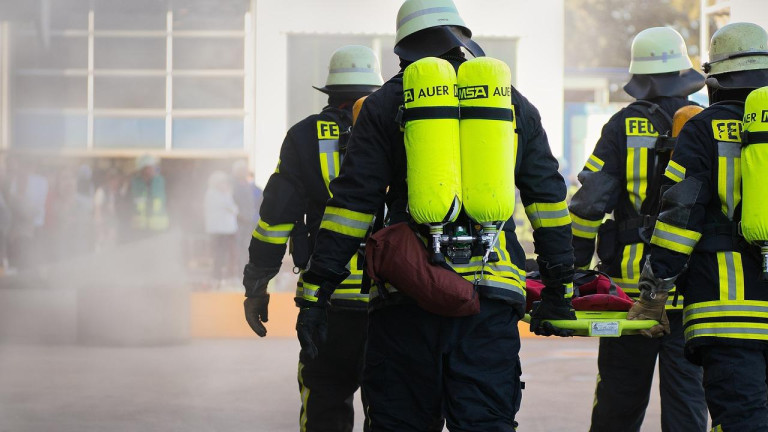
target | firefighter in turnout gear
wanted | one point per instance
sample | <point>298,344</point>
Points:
<point>294,200</point>
<point>424,369</point>
<point>623,176</point>
<point>699,226</point>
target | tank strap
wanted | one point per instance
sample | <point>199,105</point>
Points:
<point>487,113</point>
<point>404,115</point>
<point>720,236</point>
<point>754,137</point>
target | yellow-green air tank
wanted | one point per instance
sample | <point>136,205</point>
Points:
<point>432,143</point>
<point>488,140</point>
<point>754,165</point>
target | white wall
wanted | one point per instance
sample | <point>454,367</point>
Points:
<point>754,11</point>
<point>538,25</point>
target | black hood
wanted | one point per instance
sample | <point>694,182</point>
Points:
<point>435,41</point>
<point>682,83</point>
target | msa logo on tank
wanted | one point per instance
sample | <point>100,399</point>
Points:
<point>419,93</point>
<point>727,130</point>
<point>327,130</point>
<point>481,92</point>
<point>751,117</point>
<point>638,126</point>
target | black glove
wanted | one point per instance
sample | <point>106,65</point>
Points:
<point>553,305</point>
<point>257,312</point>
<point>255,280</point>
<point>312,329</point>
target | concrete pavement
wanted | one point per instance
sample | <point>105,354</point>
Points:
<point>239,385</point>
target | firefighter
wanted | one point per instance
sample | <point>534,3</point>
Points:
<point>699,227</point>
<point>294,199</point>
<point>623,176</point>
<point>423,369</point>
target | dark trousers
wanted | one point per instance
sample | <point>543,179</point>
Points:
<point>224,261</point>
<point>328,383</point>
<point>421,368</point>
<point>625,373</point>
<point>735,385</point>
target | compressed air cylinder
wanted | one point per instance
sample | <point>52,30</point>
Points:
<point>754,165</point>
<point>432,141</point>
<point>488,140</point>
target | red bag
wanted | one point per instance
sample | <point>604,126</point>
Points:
<point>593,291</point>
<point>397,256</point>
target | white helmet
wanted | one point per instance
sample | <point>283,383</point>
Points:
<point>659,50</point>
<point>738,55</point>
<point>353,69</point>
<point>440,26</point>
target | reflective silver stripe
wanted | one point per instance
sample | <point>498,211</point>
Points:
<point>351,69</point>
<point>673,170</point>
<point>349,296</point>
<point>347,222</point>
<point>675,238</point>
<point>427,11</point>
<point>730,151</point>
<point>354,277</point>
<point>730,268</point>
<point>631,261</point>
<point>277,234</point>
<point>501,285</point>
<point>585,228</point>
<point>648,142</point>
<point>328,148</point>
<point>690,333</point>
<point>663,57</point>
<point>552,214</point>
<point>727,310</point>
<point>310,292</point>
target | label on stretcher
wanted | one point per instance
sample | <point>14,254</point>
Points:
<point>604,328</point>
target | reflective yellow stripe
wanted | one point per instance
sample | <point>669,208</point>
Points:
<point>347,222</point>
<point>637,175</point>
<point>717,428</point>
<point>594,164</point>
<point>275,234</point>
<point>304,397</point>
<point>329,161</point>
<point>674,238</point>
<point>630,262</point>
<point>548,215</point>
<point>675,171</point>
<point>584,228</point>
<point>729,176</point>
<point>310,291</point>
<point>731,275</point>
<point>738,319</point>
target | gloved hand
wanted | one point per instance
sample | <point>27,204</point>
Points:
<point>257,312</point>
<point>255,280</point>
<point>553,306</point>
<point>312,329</point>
<point>654,292</point>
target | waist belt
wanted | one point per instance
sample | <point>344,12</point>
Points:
<point>720,237</point>
<point>630,230</point>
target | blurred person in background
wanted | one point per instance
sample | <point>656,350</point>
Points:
<point>310,157</point>
<point>623,176</point>
<point>147,195</point>
<point>424,369</point>
<point>221,225</point>
<point>27,197</point>
<point>714,200</point>
<point>106,210</point>
<point>258,196</point>
<point>245,198</point>
<point>70,213</point>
